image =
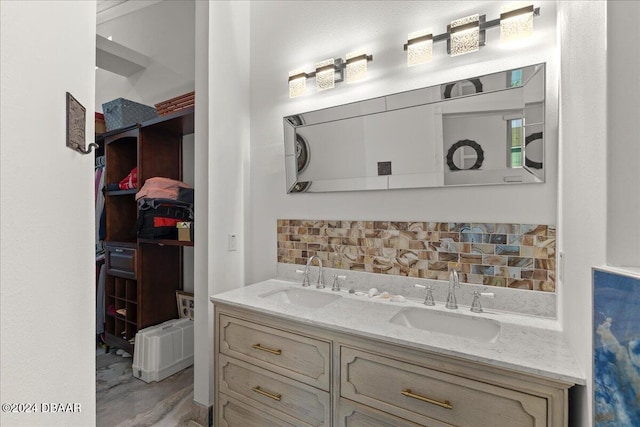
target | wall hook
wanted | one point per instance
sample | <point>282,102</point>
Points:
<point>88,150</point>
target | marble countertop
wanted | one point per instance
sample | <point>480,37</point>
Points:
<point>527,344</point>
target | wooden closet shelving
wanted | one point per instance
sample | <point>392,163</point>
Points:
<point>142,274</point>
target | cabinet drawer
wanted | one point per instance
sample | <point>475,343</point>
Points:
<point>121,261</point>
<point>295,356</point>
<point>290,399</point>
<point>432,397</point>
<point>234,413</point>
<point>350,414</point>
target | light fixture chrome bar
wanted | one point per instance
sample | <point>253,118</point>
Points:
<point>517,12</point>
<point>420,39</point>
<point>299,76</point>
<point>364,56</point>
<point>484,25</point>
<point>465,27</point>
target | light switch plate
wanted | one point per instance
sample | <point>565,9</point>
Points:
<point>233,243</point>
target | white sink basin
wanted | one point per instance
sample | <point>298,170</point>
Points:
<point>477,329</point>
<point>301,297</point>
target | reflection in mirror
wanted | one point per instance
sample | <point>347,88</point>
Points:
<point>481,130</point>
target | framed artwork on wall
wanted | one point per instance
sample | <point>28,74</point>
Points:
<point>185,305</point>
<point>616,349</point>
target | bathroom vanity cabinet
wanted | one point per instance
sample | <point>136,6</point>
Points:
<point>272,370</point>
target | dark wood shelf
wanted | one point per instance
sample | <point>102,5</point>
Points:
<point>167,242</point>
<point>113,132</point>
<point>180,122</point>
<point>124,243</point>
<point>115,341</point>
<point>122,192</point>
<point>123,299</point>
<point>124,319</point>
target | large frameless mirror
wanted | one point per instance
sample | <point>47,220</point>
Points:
<point>483,130</point>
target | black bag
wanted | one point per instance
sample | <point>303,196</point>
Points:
<point>157,218</point>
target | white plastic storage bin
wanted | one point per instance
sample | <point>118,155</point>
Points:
<point>162,350</point>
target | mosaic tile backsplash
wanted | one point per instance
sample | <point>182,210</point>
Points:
<point>518,256</point>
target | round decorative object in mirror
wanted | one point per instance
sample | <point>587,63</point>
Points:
<point>301,187</point>
<point>537,136</point>
<point>477,84</point>
<point>476,152</point>
<point>296,120</point>
<point>302,153</point>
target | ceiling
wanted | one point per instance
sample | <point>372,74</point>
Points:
<point>106,10</point>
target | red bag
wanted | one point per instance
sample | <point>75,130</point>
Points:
<point>130,181</point>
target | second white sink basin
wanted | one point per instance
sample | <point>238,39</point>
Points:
<point>302,297</point>
<point>477,329</point>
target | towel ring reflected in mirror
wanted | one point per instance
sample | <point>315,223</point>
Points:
<point>537,136</point>
<point>460,145</point>
<point>448,88</point>
<point>302,153</point>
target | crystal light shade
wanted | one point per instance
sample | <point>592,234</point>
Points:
<point>297,83</point>
<point>356,66</point>
<point>516,23</point>
<point>325,78</point>
<point>466,38</point>
<point>419,47</point>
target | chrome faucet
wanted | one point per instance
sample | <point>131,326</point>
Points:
<point>428,297</point>
<point>336,284</point>
<point>453,284</point>
<point>305,281</point>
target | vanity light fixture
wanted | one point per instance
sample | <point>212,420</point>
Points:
<point>516,23</point>
<point>297,83</point>
<point>419,47</point>
<point>357,66</point>
<point>329,72</point>
<point>326,74</point>
<point>466,35</point>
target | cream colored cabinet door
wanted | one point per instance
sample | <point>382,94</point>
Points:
<point>434,398</point>
<point>350,414</point>
<point>295,356</point>
<point>288,399</point>
<point>234,413</point>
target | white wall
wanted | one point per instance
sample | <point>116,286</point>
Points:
<point>582,184</point>
<point>166,34</point>
<point>47,273</point>
<point>287,35</point>
<point>222,150</point>
<point>623,101</point>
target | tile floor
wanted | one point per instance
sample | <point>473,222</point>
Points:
<point>125,401</point>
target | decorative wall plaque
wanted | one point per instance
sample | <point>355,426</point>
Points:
<point>76,119</point>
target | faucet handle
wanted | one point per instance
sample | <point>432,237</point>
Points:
<point>476,307</point>
<point>453,278</point>
<point>428,298</point>
<point>336,285</point>
<point>305,277</point>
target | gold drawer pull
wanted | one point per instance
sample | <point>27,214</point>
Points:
<point>265,393</point>
<point>444,404</point>
<point>268,350</point>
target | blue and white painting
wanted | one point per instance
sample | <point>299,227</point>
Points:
<point>616,345</point>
